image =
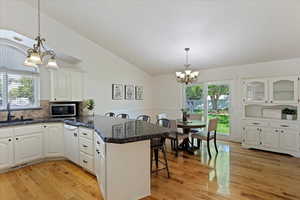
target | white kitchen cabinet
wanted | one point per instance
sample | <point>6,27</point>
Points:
<point>270,137</point>
<point>28,147</point>
<point>289,140</point>
<point>60,85</point>
<point>255,91</point>
<point>284,90</point>
<point>71,143</point>
<point>53,140</point>
<point>6,153</point>
<point>66,85</point>
<point>252,135</point>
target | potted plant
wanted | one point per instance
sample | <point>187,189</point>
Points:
<point>88,106</point>
<point>289,113</point>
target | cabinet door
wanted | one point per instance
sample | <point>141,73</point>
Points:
<point>60,85</point>
<point>284,90</point>
<point>28,148</point>
<point>255,91</point>
<point>71,145</point>
<point>6,153</point>
<point>76,86</point>
<point>53,140</point>
<point>270,138</point>
<point>102,175</point>
<point>289,140</point>
<point>252,135</point>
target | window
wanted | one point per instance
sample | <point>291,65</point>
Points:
<point>20,90</point>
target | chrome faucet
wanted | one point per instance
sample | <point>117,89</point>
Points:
<point>9,115</point>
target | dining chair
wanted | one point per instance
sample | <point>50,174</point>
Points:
<point>158,144</point>
<point>109,114</point>
<point>161,116</point>
<point>123,116</point>
<point>145,118</point>
<point>195,116</point>
<point>175,136</point>
<point>211,135</point>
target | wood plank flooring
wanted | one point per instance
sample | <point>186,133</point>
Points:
<point>235,174</point>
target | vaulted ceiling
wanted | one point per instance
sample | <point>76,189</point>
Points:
<point>152,34</point>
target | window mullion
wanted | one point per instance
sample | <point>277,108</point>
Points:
<point>5,90</point>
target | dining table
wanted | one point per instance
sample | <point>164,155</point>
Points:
<point>187,127</point>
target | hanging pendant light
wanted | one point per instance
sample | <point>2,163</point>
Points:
<point>187,76</point>
<point>37,54</point>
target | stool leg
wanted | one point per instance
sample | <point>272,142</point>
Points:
<point>208,148</point>
<point>156,158</point>
<point>176,147</point>
<point>166,161</point>
<point>215,142</point>
<point>198,143</point>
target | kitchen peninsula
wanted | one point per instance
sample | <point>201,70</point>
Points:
<point>116,150</point>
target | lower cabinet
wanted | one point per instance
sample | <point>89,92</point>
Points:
<point>53,140</point>
<point>284,138</point>
<point>6,153</point>
<point>28,147</point>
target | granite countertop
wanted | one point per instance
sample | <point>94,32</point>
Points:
<point>111,130</point>
<point>116,130</point>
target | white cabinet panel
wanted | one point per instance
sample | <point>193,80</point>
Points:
<point>252,135</point>
<point>255,91</point>
<point>289,140</point>
<point>71,143</point>
<point>76,86</point>
<point>270,137</point>
<point>86,146</point>
<point>6,153</point>
<point>28,148</point>
<point>284,90</point>
<point>66,85</point>
<point>53,140</point>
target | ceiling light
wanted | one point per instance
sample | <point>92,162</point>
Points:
<point>187,76</point>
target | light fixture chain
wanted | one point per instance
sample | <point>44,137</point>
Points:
<point>39,18</point>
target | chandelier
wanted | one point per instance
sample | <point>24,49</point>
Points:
<point>187,76</point>
<point>38,53</point>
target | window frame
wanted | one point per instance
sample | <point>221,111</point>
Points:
<point>36,90</point>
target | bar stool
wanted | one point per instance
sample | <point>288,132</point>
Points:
<point>109,114</point>
<point>158,144</point>
<point>123,116</point>
<point>145,118</point>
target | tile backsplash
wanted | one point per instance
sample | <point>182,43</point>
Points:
<point>36,113</point>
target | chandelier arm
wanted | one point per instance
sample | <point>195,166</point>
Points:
<point>39,18</point>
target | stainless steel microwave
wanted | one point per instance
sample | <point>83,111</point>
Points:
<point>63,110</point>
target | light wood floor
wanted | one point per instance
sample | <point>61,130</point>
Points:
<point>235,173</point>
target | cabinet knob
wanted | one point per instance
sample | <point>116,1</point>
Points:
<point>17,138</point>
<point>276,131</point>
<point>271,101</point>
<point>84,134</point>
<point>9,140</point>
<point>266,101</point>
<point>84,146</point>
<point>75,134</point>
<point>98,142</point>
<point>85,161</point>
<point>282,131</point>
<point>98,152</point>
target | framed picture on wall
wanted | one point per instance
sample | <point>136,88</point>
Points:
<point>117,91</point>
<point>129,92</point>
<point>139,93</point>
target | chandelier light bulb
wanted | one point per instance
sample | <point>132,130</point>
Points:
<point>35,58</point>
<point>52,63</point>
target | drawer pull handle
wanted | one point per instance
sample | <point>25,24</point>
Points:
<point>255,123</point>
<point>98,142</point>
<point>84,134</point>
<point>284,125</point>
<point>75,134</point>
<point>85,161</point>
<point>84,146</point>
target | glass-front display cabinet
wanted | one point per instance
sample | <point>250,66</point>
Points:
<point>255,91</point>
<point>284,90</point>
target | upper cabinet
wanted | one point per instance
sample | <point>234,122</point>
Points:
<point>280,90</point>
<point>284,90</point>
<point>255,91</point>
<point>66,85</point>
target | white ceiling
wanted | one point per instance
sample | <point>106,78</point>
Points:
<point>152,34</point>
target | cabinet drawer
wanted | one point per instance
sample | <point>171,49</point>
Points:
<point>30,129</point>
<point>87,161</point>
<point>255,123</point>
<point>6,132</point>
<point>86,146</point>
<point>86,133</point>
<point>100,144</point>
<point>284,125</point>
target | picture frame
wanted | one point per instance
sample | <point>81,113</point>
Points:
<point>139,93</point>
<point>117,92</point>
<point>129,92</point>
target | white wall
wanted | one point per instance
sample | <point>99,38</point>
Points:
<point>101,67</point>
<point>168,94</point>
